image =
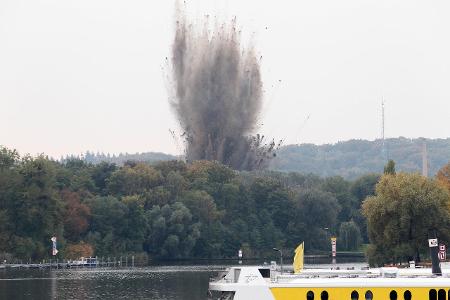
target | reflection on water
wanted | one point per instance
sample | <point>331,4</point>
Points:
<point>187,282</point>
<point>147,283</point>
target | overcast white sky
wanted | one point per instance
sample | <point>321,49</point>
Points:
<point>88,74</point>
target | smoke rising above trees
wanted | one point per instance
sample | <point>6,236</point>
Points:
<point>217,94</point>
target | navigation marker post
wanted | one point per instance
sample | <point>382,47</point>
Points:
<point>333,249</point>
<point>54,250</point>
<point>442,252</point>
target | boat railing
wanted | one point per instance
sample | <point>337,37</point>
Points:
<point>220,280</point>
<point>359,274</point>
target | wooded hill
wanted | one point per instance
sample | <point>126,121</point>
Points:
<point>349,159</point>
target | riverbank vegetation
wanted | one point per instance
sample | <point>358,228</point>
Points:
<point>399,217</point>
<point>202,209</point>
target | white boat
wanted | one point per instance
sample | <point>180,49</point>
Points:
<point>83,262</point>
<point>267,283</point>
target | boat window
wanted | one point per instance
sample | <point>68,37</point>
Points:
<point>227,296</point>
<point>369,295</point>
<point>393,295</point>
<point>237,273</point>
<point>432,295</point>
<point>407,295</point>
<point>310,295</point>
<point>324,295</point>
<point>442,295</point>
<point>355,295</point>
<point>265,273</point>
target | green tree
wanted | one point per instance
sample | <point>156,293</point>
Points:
<point>109,221</point>
<point>10,182</point>
<point>390,167</point>
<point>314,211</point>
<point>270,195</point>
<point>340,188</point>
<point>8,158</point>
<point>361,188</point>
<point>37,212</point>
<point>135,230</point>
<point>349,236</point>
<point>364,186</point>
<point>405,207</point>
<point>173,233</point>
<point>132,179</point>
<point>101,174</point>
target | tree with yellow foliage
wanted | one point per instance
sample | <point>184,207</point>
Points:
<point>443,176</point>
<point>399,216</point>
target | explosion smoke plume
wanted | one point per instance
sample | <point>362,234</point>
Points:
<point>218,95</point>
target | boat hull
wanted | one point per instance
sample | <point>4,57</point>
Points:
<point>291,293</point>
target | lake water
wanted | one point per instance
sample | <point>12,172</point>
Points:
<point>153,282</point>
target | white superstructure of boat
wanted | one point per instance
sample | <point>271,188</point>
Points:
<point>267,283</point>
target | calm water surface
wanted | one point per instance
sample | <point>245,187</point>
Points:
<point>144,283</point>
<point>156,282</point>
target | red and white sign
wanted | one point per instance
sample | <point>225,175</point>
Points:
<point>333,247</point>
<point>442,252</point>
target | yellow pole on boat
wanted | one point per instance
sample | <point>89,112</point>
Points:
<point>298,258</point>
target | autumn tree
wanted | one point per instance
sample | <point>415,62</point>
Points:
<point>399,216</point>
<point>443,176</point>
<point>76,216</point>
<point>75,251</point>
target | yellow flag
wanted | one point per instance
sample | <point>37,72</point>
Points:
<point>298,258</point>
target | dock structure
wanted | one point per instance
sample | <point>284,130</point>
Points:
<point>103,262</point>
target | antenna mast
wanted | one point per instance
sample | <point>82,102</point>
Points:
<point>384,148</point>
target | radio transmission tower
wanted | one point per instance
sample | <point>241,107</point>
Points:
<point>384,151</point>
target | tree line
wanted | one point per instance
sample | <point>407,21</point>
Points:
<point>202,209</point>
<point>170,209</point>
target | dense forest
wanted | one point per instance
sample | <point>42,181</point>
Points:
<point>349,159</point>
<point>171,209</point>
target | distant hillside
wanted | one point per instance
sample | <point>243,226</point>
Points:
<point>353,158</point>
<point>349,159</point>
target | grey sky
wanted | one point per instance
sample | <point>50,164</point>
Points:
<point>88,74</point>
